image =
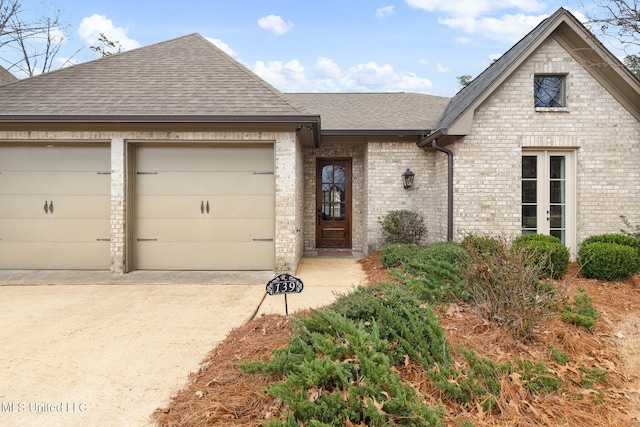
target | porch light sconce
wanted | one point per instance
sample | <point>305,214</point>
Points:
<point>407,179</point>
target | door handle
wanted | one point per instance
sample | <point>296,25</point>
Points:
<point>202,207</point>
<point>46,207</point>
<point>207,206</point>
<point>51,207</point>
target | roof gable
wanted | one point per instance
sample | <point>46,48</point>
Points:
<point>6,77</point>
<point>575,38</point>
<point>184,76</point>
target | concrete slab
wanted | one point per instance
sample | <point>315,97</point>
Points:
<point>96,355</point>
<point>323,278</point>
<point>87,348</point>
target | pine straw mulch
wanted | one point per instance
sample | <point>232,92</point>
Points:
<point>219,394</point>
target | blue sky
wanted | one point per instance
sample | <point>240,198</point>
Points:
<point>322,46</point>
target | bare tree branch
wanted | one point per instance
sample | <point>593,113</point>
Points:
<point>29,46</point>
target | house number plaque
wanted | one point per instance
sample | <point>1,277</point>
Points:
<point>284,284</point>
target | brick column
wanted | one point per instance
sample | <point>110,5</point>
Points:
<point>118,204</point>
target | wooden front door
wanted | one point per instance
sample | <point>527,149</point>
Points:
<point>333,203</point>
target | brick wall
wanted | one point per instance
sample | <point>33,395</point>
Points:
<point>386,161</point>
<point>603,134</point>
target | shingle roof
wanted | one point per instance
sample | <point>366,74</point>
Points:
<point>185,76</point>
<point>372,111</point>
<point>6,77</point>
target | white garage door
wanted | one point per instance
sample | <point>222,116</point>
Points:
<point>205,208</point>
<point>54,207</point>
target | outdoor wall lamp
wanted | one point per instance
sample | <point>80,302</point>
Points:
<point>407,179</point>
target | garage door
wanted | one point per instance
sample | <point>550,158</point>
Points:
<point>54,207</point>
<point>205,208</point>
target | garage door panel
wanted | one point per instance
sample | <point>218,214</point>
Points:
<point>75,181</point>
<point>53,183</point>
<point>174,229</point>
<point>214,256</point>
<point>46,230</point>
<point>179,230</point>
<point>56,159</point>
<point>220,207</point>
<point>196,159</point>
<point>64,207</point>
<point>171,183</point>
<point>53,256</point>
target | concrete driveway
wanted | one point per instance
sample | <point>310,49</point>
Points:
<point>87,348</point>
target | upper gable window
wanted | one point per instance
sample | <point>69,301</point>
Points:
<point>549,91</point>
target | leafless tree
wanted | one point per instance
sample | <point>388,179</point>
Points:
<point>619,20</point>
<point>28,45</point>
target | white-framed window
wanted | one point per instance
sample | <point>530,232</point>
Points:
<point>548,194</point>
<point>549,90</point>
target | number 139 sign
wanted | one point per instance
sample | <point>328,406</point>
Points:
<point>284,284</point>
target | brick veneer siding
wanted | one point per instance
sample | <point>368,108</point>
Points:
<point>385,162</point>
<point>288,187</point>
<point>604,135</point>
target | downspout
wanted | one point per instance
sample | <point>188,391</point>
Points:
<point>449,153</point>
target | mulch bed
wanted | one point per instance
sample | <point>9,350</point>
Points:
<point>219,394</point>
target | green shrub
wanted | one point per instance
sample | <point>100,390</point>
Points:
<point>581,312</point>
<point>559,356</point>
<point>339,367</point>
<point>505,284</point>
<point>617,238</point>
<point>608,261</point>
<point>483,244</point>
<point>549,251</point>
<point>450,252</point>
<point>398,254</point>
<point>434,280</point>
<point>403,226</point>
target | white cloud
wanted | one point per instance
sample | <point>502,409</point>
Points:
<point>327,76</point>
<point>328,67</point>
<point>223,46</point>
<point>286,76</point>
<point>91,27</point>
<point>385,11</point>
<point>463,40</point>
<point>442,69</point>
<point>275,24</point>
<point>504,20</point>
<point>474,8</point>
<point>507,28</point>
<point>423,61</point>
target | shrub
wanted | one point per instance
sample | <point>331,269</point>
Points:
<point>403,226</point>
<point>608,261</point>
<point>581,312</point>
<point>450,252</point>
<point>505,284</point>
<point>617,238</point>
<point>398,254</point>
<point>548,251</point>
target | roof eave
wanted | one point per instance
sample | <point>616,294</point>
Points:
<point>311,119</point>
<point>374,132</point>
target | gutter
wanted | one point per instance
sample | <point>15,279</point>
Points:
<point>433,140</point>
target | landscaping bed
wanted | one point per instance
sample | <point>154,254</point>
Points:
<point>598,383</point>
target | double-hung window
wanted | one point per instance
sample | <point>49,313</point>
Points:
<point>549,91</point>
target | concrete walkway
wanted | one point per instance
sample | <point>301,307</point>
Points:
<point>88,348</point>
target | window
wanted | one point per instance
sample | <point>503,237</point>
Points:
<point>549,91</point>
